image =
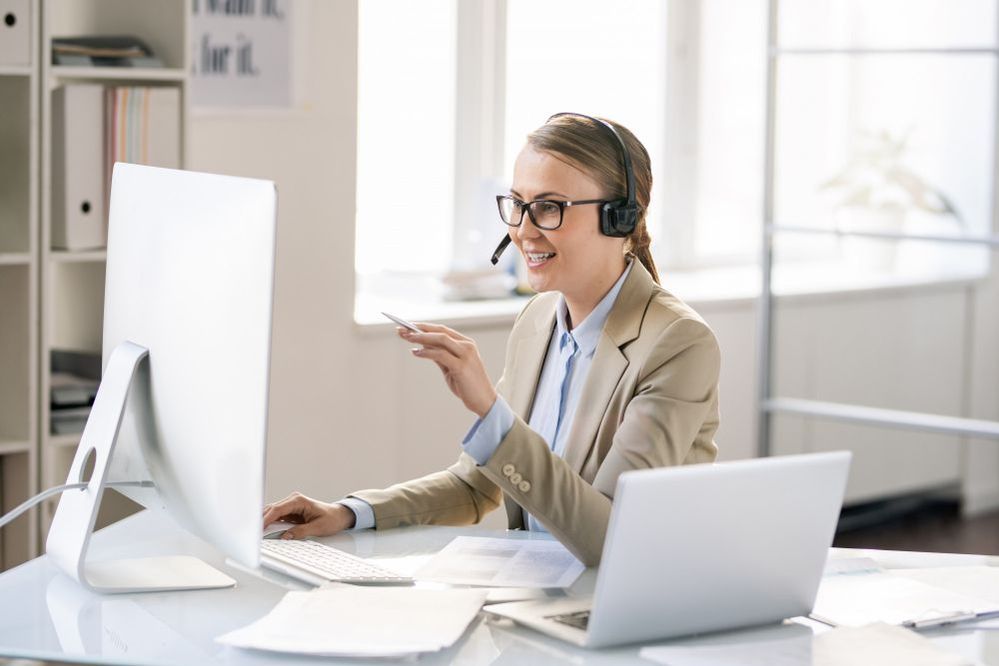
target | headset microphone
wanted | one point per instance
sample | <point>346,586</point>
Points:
<point>500,248</point>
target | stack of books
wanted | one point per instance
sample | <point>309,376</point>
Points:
<point>102,51</point>
<point>75,378</point>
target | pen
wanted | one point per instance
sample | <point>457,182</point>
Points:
<point>960,616</point>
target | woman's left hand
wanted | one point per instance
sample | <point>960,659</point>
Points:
<point>458,358</point>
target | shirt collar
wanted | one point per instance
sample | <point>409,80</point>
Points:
<point>587,333</point>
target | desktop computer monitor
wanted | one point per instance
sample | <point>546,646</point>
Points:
<point>190,272</point>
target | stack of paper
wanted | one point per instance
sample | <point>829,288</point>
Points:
<point>855,600</point>
<point>530,563</point>
<point>357,621</point>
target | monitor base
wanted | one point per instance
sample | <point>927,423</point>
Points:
<point>154,574</point>
<point>73,523</point>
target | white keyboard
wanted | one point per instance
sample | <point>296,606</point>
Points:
<point>317,561</point>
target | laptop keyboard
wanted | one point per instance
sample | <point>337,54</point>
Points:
<point>579,619</point>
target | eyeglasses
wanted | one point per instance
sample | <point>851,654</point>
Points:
<point>544,213</point>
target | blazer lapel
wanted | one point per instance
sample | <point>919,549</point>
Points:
<point>609,363</point>
<point>529,357</point>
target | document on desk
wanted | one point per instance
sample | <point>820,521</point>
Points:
<point>855,600</point>
<point>975,581</point>
<point>491,562</point>
<point>844,646</point>
<point>359,621</point>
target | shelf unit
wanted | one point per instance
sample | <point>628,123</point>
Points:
<point>769,404</point>
<point>19,227</point>
<point>62,296</point>
<point>71,283</point>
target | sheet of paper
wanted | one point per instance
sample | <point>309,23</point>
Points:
<point>349,620</point>
<point>856,600</point>
<point>502,563</point>
<point>850,565</point>
<point>844,646</point>
<point>975,581</point>
<point>990,623</point>
<point>880,643</point>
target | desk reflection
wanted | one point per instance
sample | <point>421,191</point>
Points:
<point>115,627</point>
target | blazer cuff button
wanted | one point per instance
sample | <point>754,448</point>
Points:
<point>508,469</point>
<point>525,486</point>
<point>515,478</point>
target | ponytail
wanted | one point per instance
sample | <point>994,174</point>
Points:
<point>637,245</point>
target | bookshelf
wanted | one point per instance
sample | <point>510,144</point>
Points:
<point>70,297</point>
<point>19,266</point>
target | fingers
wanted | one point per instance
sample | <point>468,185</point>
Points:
<point>443,358</point>
<point>328,519</point>
<point>308,529</point>
<point>295,504</point>
<point>440,328</point>
<point>457,348</point>
<point>433,328</point>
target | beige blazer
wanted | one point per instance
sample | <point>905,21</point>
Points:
<point>650,400</point>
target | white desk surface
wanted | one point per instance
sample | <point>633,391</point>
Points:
<point>45,615</point>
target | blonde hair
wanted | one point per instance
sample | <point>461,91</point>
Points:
<point>589,147</point>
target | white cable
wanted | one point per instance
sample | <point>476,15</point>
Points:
<point>44,495</point>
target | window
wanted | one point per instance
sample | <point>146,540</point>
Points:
<point>595,57</point>
<point>478,76</point>
<point>405,136</point>
<point>448,91</point>
<point>729,88</point>
<point>897,141</point>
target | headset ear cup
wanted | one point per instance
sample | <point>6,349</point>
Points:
<point>618,219</point>
<point>627,219</point>
<point>606,219</point>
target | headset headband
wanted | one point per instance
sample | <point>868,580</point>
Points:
<point>625,154</point>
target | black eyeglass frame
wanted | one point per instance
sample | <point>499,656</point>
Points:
<point>527,205</point>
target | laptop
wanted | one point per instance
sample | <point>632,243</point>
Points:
<point>702,548</point>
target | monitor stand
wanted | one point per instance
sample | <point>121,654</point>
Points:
<point>76,514</point>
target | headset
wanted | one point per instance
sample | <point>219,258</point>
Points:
<point>618,218</point>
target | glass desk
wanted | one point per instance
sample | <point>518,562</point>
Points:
<point>45,615</point>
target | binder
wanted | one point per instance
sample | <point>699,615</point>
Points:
<point>142,126</point>
<point>78,218</point>
<point>15,32</point>
<point>164,128</point>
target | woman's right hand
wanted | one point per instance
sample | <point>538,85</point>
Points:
<point>311,517</point>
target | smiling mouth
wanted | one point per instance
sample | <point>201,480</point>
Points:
<point>538,258</point>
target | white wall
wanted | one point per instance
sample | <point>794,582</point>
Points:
<point>350,408</point>
<point>310,153</point>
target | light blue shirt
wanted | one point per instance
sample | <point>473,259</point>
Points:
<point>567,364</point>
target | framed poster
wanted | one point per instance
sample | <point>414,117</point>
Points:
<point>241,52</point>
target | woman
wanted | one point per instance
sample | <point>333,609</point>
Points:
<point>605,371</point>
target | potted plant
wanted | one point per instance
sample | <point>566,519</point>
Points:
<point>876,191</point>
